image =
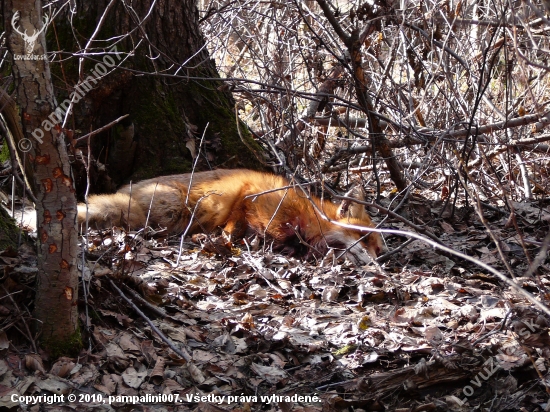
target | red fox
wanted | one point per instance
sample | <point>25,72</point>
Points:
<point>233,200</point>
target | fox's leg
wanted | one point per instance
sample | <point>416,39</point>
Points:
<point>236,224</point>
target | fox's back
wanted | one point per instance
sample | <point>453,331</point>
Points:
<point>209,196</point>
<point>238,201</point>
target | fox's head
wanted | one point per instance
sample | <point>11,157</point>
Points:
<point>358,243</point>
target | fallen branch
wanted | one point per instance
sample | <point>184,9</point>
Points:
<point>182,353</point>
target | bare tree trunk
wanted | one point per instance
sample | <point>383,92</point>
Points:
<point>57,280</point>
<point>169,86</point>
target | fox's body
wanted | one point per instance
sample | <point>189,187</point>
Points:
<point>225,198</point>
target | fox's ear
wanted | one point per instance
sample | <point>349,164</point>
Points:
<point>349,209</point>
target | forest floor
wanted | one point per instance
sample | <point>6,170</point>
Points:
<point>422,331</point>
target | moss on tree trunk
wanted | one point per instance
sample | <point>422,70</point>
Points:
<point>169,113</point>
<point>8,230</point>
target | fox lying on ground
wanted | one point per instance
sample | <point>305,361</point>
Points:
<point>227,199</point>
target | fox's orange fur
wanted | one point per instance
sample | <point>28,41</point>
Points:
<point>225,198</point>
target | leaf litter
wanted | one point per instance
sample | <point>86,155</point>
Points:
<point>233,327</point>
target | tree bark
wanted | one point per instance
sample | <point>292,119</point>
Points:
<point>57,279</point>
<point>168,115</point>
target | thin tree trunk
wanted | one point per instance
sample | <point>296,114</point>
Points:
<point>377,135</point>
<point>379,141</point>
<point>57,280</point>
